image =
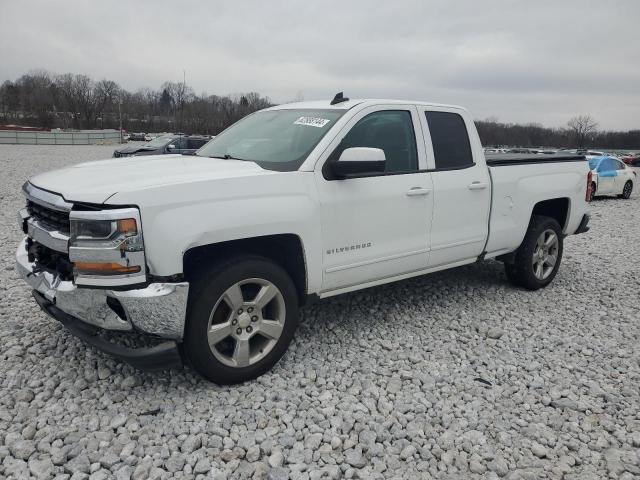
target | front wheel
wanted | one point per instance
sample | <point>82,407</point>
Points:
<point>242,316</point>
<point>626,191</point>
<point>538,258</point>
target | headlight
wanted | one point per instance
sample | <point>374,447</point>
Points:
<point>106,247</point>
<point>92,229</point>
<point>106,234</point>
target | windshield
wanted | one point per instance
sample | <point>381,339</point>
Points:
<point>275,139</point>
<point>159,141</point>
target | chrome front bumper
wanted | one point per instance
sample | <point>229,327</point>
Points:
<point>159,309</point>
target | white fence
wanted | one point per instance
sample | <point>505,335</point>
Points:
<point>86,137</point>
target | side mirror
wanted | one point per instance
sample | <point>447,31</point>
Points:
<point>359,160</point>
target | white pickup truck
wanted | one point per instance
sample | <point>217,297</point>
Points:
<point>215,253</point>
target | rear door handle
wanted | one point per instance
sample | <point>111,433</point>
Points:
<point>415,191</point>
<point>477,186</point>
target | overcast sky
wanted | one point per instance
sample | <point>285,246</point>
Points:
<point>517,61</point>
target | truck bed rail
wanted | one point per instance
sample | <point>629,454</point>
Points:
<point>507,159</point>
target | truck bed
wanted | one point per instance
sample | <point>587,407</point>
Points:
<point>507,159</point>
<point>532,178</point>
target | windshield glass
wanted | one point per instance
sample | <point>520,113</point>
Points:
<point>275,140</point>
<point>159,141</point>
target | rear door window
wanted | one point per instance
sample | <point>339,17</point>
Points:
<point>195,143</point>
<point>450,140</point>
<point>607,165</point>
<point>180,143</point>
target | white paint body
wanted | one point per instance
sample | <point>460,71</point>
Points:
<point>612,183</point>
<point>415,223</point>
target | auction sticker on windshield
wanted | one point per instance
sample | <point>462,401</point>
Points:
<point>312,121</point>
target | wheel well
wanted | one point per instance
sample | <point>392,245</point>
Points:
<point>556,208</point>
<point>285,249</point>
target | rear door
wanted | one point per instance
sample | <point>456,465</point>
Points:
<point>376,226</point>
<point>462,187</point>
<point>607,173</point>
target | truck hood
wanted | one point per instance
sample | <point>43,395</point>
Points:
<point>95,182</point>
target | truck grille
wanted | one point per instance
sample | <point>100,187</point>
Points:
<point>52,219</point>
<point>49,260</point>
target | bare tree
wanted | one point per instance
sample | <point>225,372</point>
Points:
<point>105,93</point>
<point>180,94</point>
<point>43,99</point>
<point>582,127</point>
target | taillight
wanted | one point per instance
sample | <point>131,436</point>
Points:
<point>589,185</point>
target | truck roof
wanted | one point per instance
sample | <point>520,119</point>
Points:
<point>345,105</point>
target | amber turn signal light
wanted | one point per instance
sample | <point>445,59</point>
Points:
<point>127,226</point>
<point>91,268</point>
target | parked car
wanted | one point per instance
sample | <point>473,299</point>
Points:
<point>293,203</point>
<point>611,177</point>
<point>182,144</point>
<point>137,137</point>
<point>632,160</point>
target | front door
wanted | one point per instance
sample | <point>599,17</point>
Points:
<point>376,226</point>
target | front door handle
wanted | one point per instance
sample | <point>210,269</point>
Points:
<point>415,191</point>
<point>477,186</point>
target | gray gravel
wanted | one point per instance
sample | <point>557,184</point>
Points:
<point>455,375</point>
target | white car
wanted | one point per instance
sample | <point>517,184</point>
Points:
<point>216,252</point>
<point>611,177</point>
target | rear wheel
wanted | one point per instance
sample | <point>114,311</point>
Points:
<point>538,258</point>
<point>626,191</point>
<point>242,316</point>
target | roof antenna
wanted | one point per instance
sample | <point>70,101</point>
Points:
<point>339,98</point>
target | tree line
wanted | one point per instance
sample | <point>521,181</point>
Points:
<point>45,100</point>
<point>581,132</point>
<point>74,101</point>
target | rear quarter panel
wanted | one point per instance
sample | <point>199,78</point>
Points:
<point>518,188</point>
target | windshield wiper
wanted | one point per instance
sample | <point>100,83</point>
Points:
<point>231,157</point>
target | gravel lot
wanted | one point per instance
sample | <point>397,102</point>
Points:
<point>454,375</point>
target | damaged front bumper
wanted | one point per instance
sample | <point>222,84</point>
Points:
<point>158,310</point>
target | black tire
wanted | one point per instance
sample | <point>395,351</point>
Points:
<point>626,192</point>
<point>521,272</point>
<point>593,191</point>
<point>208,289</point>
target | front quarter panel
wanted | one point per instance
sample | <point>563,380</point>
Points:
<point>176,218</point>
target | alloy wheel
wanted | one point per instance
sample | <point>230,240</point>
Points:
<point>545,254</point>
<point>246,322</point>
